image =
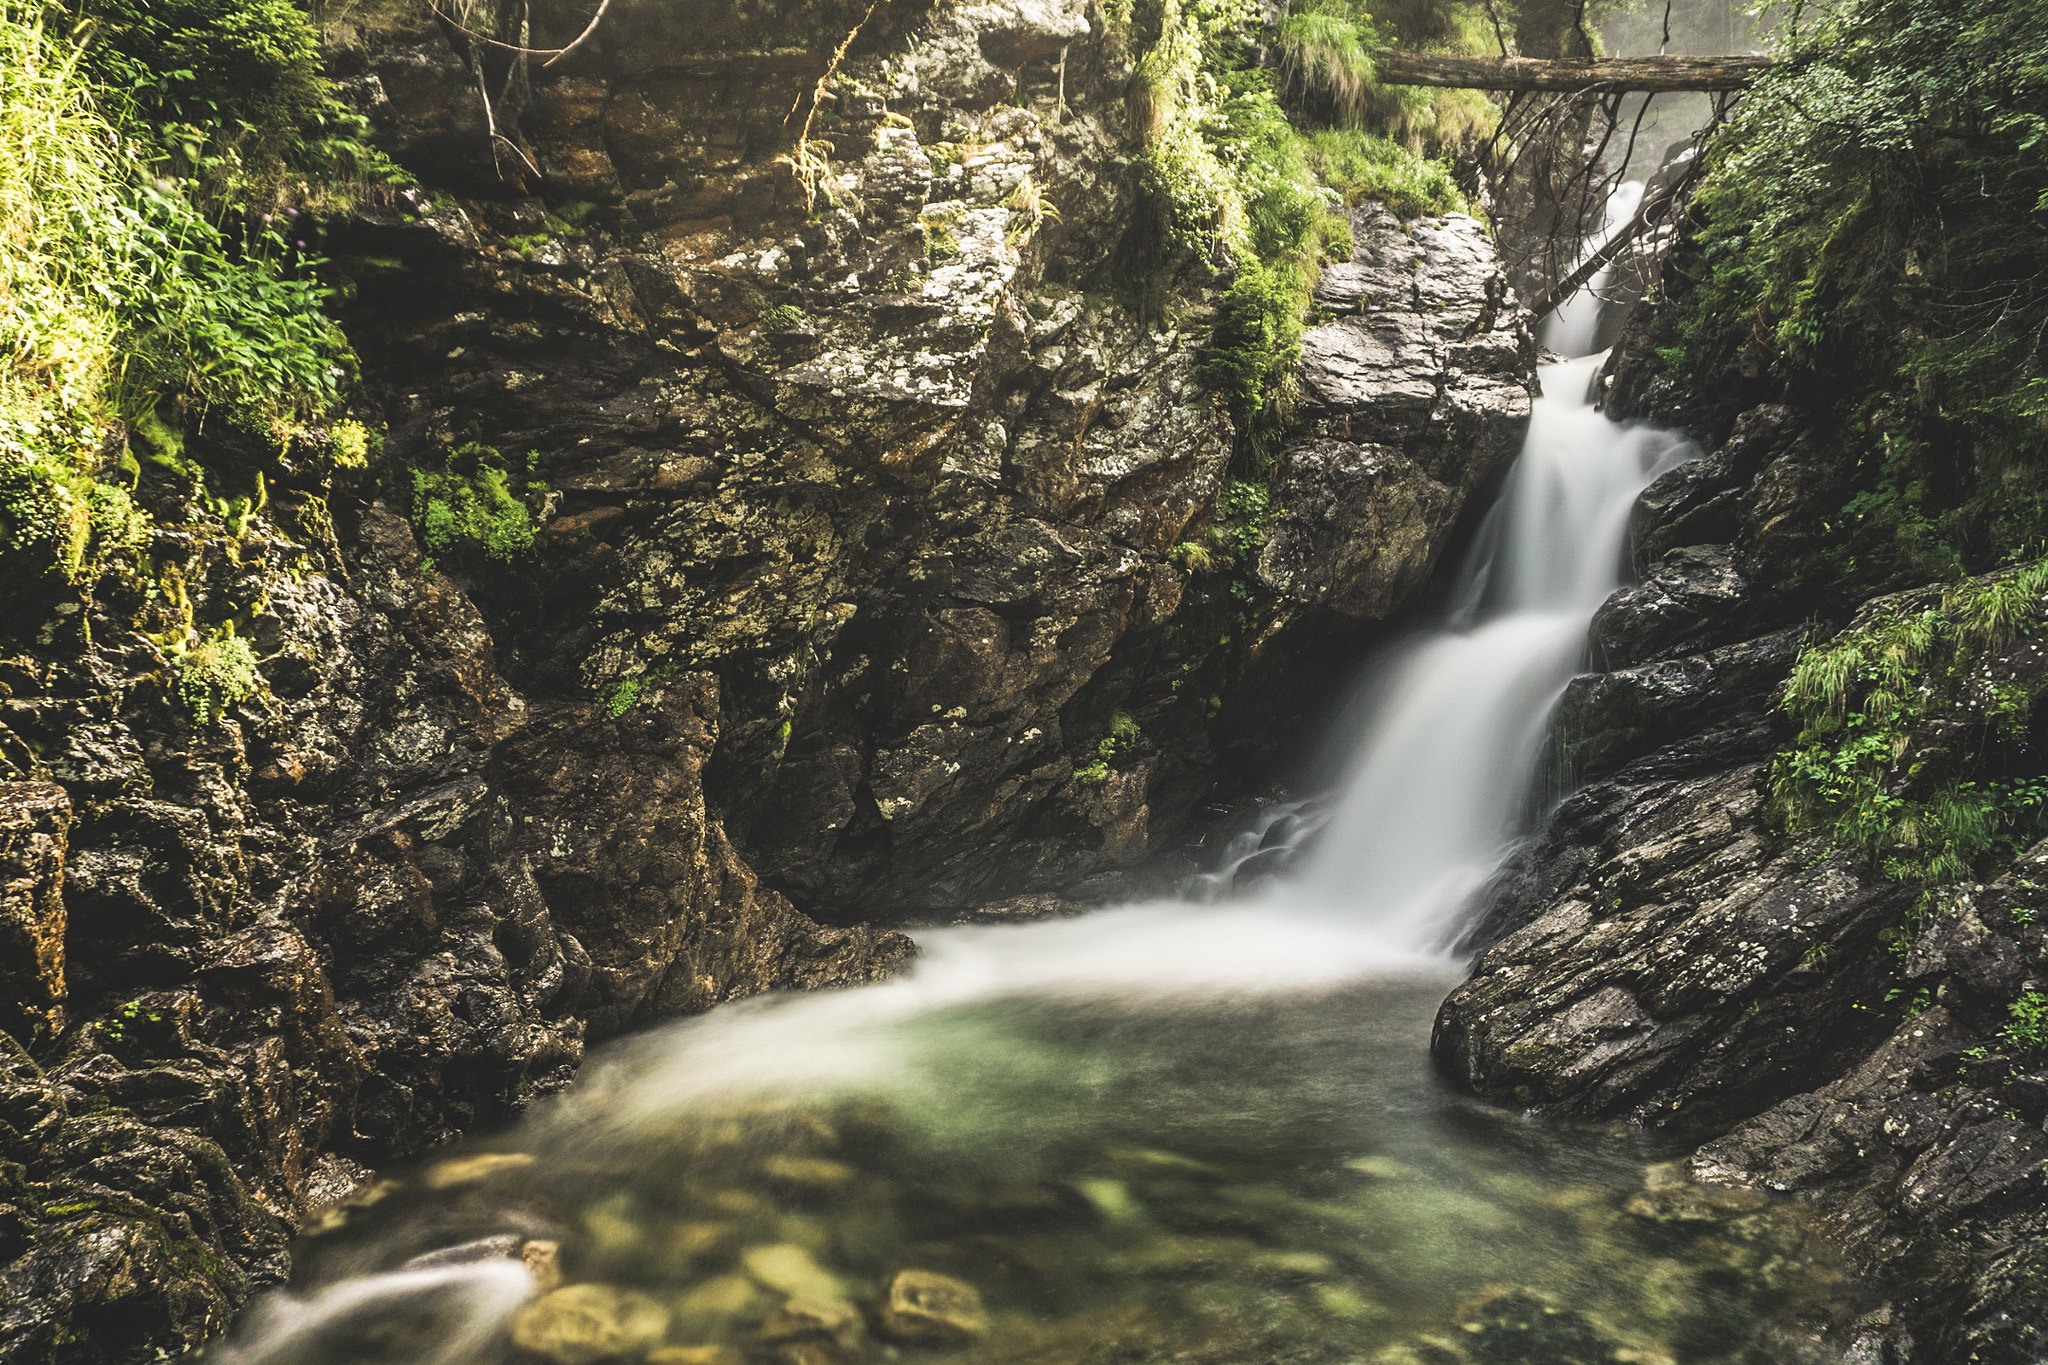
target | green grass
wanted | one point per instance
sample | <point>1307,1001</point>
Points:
<point>1360,165</point>
<point>139,312</point>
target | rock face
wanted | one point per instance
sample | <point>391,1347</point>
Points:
<point>1416,394</point>
<point>1664,952</point>
<point>859,593</point>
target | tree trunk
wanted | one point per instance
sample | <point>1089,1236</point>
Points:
<point>1650,74</point>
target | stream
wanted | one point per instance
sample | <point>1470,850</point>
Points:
<point>1202,1130</point>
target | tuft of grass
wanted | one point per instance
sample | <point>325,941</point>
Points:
<point>1877,764</point>
<point>1361,165</point>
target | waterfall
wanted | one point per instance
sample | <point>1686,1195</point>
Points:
<point>1572,325</point>
<point>1445,761</point>
<point>1439,780</point>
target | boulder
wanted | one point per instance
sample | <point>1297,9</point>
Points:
<point>582,1323</point>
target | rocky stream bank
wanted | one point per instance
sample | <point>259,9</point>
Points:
<point>887,566</point>
<point>1675,950</point>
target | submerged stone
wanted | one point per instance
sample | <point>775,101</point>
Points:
<point>583,1323</point>
<point>924,1308</point>
<point>695,1355</point>
<point>789,1269</point>
<point>471,1170</point>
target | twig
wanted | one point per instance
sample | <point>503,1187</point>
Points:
<point>804,169</point>
<point>553,54</point>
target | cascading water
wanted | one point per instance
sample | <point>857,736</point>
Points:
<point>1445,761</point>
<point>1204,1132</point>
<point>1573,326</point>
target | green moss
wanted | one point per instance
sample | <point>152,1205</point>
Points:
<point>1123,733</point>
<point>469,506</point>
<point>215,672</point>
<point>623,694</point>
<point>782,317</point>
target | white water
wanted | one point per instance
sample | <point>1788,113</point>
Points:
<point>1446,761</point>
<point>1572,327</point>
<point>1441,772</point>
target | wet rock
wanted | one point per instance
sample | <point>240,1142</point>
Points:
<point>1689,597</point>
<point>1606,720</point>
<point>720,1298</point>
<point>35,824</point>
<point>472,1170</point>
<point>1514,1327</point>
<point>814,1175</point>
<point>1660,957</point>
<point>789,1269</point>
<point>582,1323</point>
<point>921,1308</point>
<point>543,1261</point>
<point>1420,395</point>
<point>1358,527</point>
<point>800,1319</point>
<point>695,1355</point>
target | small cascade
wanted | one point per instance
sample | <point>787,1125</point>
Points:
<point>1573,326</point>
<point>1443,766</point>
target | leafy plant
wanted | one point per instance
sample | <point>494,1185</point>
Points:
<point>215,672</point>
<point>1866,767</point>
<point>469,505</point>
<point>2029,1026</point>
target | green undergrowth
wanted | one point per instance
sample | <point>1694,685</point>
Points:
<point>215,671</point>
<point>471,508</point>
<point>1916,734</point>
<point>1245,173</point>
<point>1871,231</point>
<point>159,302</point>
<point>1123,733</point>
<point>1325,49</point>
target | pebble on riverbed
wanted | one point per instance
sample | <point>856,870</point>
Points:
<point>921,1308</point>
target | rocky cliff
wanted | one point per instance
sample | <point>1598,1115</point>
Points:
<point>888,560</point>
<point>1838,1005</point>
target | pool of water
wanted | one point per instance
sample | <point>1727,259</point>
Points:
<point>1206,1164</point>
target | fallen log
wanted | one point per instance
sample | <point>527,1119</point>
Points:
<point>1650,75</point>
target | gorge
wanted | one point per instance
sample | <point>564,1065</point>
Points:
<point>891,499</point>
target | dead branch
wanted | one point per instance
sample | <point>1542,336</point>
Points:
<point>1647,74</point>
